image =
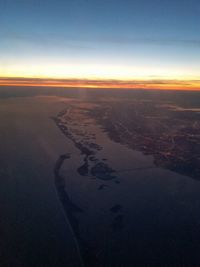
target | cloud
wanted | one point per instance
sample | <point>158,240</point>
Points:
<point>150,41</point>
<point>100,83</point>
<point>46,41</point>
<point>89,43</point>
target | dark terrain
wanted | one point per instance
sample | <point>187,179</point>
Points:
<point>99,178</point>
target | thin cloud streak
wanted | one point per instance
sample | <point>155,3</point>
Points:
<point>151,41</point>
<point>88,43</point>
<point>112,83</point>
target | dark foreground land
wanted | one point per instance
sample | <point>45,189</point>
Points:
<point>99,177</point>
<point>167,130</point>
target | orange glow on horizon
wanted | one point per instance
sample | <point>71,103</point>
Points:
<point>101,83</point>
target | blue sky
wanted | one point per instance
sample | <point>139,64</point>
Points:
<point>151,38</point>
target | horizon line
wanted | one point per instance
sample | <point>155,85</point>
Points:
<point>153,83</point>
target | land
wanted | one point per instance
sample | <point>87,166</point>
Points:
<point>75,124</point>
<point>91,176</point>
<point>166,130</point>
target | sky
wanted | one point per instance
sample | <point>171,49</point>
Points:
<point>136,42</point>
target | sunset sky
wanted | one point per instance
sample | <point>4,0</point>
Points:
<point>107,43</point>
